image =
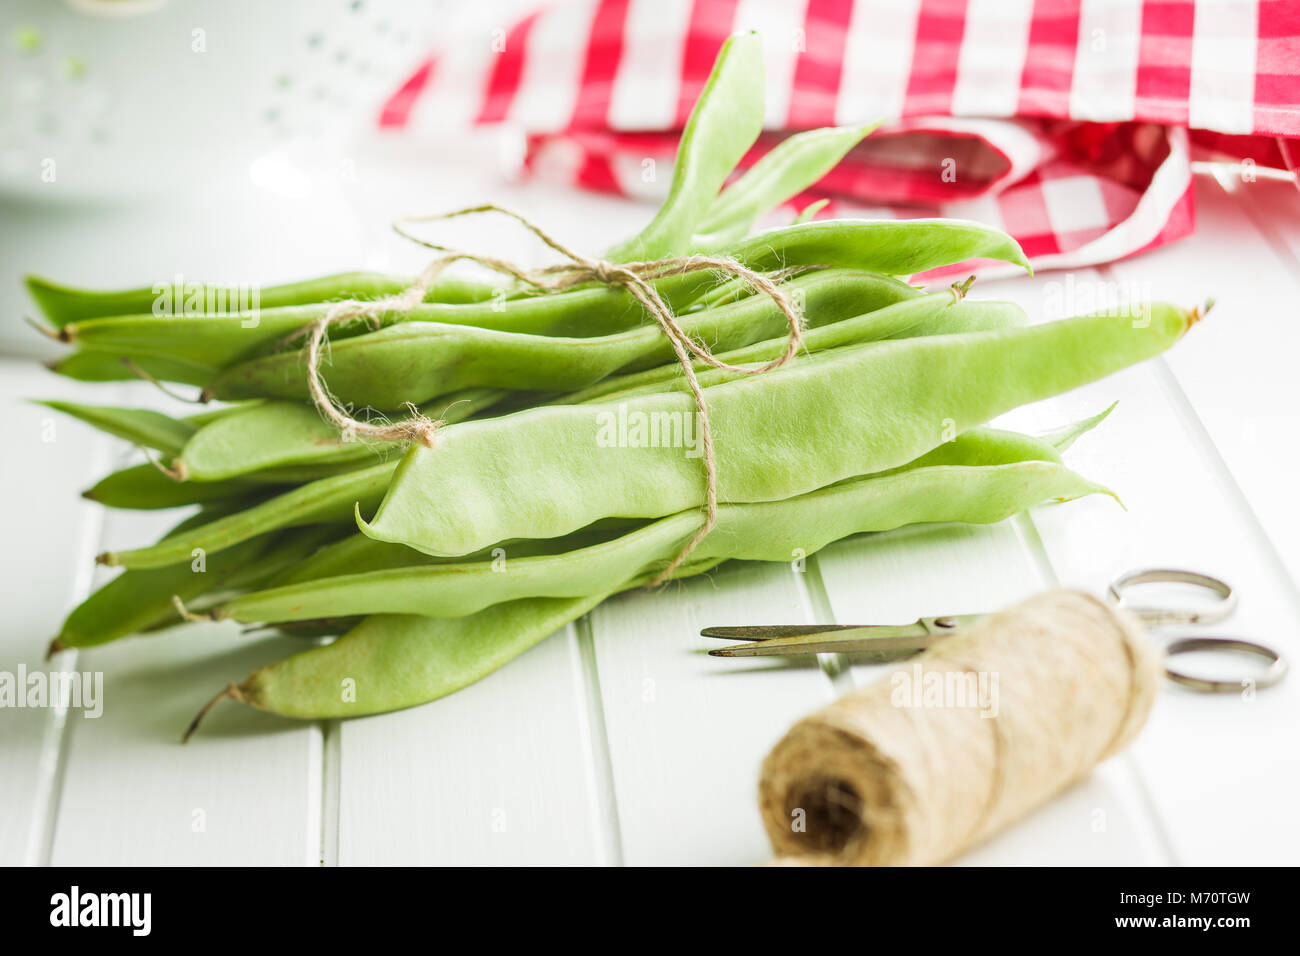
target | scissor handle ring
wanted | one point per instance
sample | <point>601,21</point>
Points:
<point>1276,671</point>
<point>1160,616</point>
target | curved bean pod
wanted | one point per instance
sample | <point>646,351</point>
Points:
<point>935,313</point>
<point>724,123</point>
<point>276,435</point>
<point>981,477</point>
<point>139,426</point>
<point>62,304</point>
<point>789,168</point>
<point>841,413</point>
<point>220,340</point>
<point>88,365</point>
<point>326,500</point>
<point>418,361</point>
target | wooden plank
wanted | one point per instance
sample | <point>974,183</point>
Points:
<point>1217,771</point>
<point>51,535</point>
<point>245,791</point>
<point>687,731</point>
<point>500,773</point>
<point>1238,367</point>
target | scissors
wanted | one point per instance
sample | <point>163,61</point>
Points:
<point>889,642</point>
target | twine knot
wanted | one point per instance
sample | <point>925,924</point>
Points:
<point>635,277</point>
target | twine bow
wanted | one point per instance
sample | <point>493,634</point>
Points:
<point>635,277</point>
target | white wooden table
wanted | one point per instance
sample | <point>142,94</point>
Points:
<point>616,741</point>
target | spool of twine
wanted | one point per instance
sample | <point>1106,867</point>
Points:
<point>962,741</point>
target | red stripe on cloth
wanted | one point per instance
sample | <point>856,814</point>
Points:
<point>503,84</point>
<point>940,25</point>
<point>1049,61</point>
<point>397,110</point>
<point>604,53</point>
<point>596,172</point>
<point>1277,68</point>
<point>1164,72</point>
<point>816,84</point>
<point>709,27</point>
<point>1023,211</point>
<point>1181,222</point>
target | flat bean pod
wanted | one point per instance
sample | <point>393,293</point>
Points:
<point>89,365</point>
<point>418,361</point>
<point>935,313</point>
<point>62,304</point>
<point>323,501</point>
<point>841,413</point>
<point>789,168</point>
<point>980,477</point>
<point>139,601</point>
<point>275,435</point>
<point>725,122</point>
<point>139,426</point>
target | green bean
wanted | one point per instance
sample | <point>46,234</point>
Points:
<point>88,365</point>
<point>358,554</point>
<point>136,601</point>
<point>137,425</point>
<point>62,304</point>
<point>1062,438</point>
<point>144,487</point>
<point>418,361</point>
<point>276,435</point>
<point>398,661</point>
<point>935,313</point>
<point>982,476</point>
<point>726,120</point>
<point>793,165</point>
<point>326,500</point>
<point>841,413</point>
<point>220,340</point>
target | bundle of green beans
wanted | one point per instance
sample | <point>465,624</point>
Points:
<point>569,468</point>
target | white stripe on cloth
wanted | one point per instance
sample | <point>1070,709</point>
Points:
<point>877,60</point>
<point>648,78</point>
<point>553,60</point>
<point>454,94</point>
<point>1223,65</point>
<point>1106,60</point>
<point>780,24</point>
<point>1170,182</point>
<point>992,59</point>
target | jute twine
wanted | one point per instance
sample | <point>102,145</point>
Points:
<point>876,783</point>
<point>635,277</point>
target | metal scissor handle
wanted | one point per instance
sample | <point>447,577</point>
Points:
<point>1162,616</point>
<point>1190,645</point>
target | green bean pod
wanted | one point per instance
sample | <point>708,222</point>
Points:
<point>838,414</point>
<point>89,365</point>
<point>328,500</point>
<point>418,361</point>
<point>936,313</point>
<point>724,123</point>
<point>789,168</point>
<point>277,435</point>
<point>980,477</point>
<point>139,426</point>
<point>62,304</point>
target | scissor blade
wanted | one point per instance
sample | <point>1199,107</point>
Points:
<point>891,641</point>
<point>765,632</point>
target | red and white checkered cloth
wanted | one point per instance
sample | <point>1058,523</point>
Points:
<point>1068,123</point>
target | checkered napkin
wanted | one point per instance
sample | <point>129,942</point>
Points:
<point>1071,124</point>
